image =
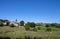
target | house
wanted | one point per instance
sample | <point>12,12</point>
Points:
<point>15,23</point>
<point>4,23</point>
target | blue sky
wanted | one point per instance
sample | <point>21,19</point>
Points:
<point>47,11</point>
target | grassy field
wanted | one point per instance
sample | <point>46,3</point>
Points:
<point>21,33</point>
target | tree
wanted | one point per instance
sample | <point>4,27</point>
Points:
<point>48,29</point>
<point>47,25</point>
<point>21,23</point>
<point>58,25</point>
<point>29,26</point>
<point>16,20</point>
<point>1,24</point>
<point>1,20</point>
<point>32,24</point>
<point>54,24</point>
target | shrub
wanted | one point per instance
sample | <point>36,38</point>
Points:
<point>37,38</point>
<point>35,29</point>
<point>48,29</point>
<point>12,25</point>
<point>19,38</point>
<point>27,37</point>
<point>1,32</point>
<point>5,38</point>
<point>1,24</point>
<point>39,28</point>
<point>27,27</point>
<point>32,24</point>
<point>1,37</point>
<point>47,25</point>
<point>53,24</point>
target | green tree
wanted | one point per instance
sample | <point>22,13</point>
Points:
<point>21,23</point>
<point>1,24</point>
<point>48,29</point>
<point>39,28</point>
<point>47,25</point>
<point>16,20</point>
<point>59,25</point>
<point>1,20</point>
<point>32,24</point>
<point>29,25</point>
<point>53,24</point>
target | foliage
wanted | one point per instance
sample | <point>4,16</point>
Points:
<point>32,24</point>
<point>59,26</point>
<point>27,27</point>
<point>48,29</point>
<point>37,38</point>
<point>4,20</point>
<point>21,33</point>
<point>27,37</point>
<point>39,28</point>
<point>47,25</point>
<point>1,24</point>
<point>55,25</point>
<point>16,20</point>
<point>21,23</point>
<point>12,25</point>
<point>5,38</point>
<point>35,29</point>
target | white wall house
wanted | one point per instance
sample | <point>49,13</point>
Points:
<point>16,24</point>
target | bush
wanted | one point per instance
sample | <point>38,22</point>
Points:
<point>32,24</point>
<point>5,38</point>
<point>1,24</point>
<point>35,29</point>
<point>19,38</point>
<point>12,25</point>
<point>27,27</point>
<point>37,38</point>
<point>27,37</point>
<point>47,25</point>
<point>48,29</point>
<point>39,28</point>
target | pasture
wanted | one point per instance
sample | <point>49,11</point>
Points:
<point>21,33</point>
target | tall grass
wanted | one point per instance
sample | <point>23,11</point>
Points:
<point>21,33</point>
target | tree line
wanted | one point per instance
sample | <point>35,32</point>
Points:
<point>29,25</point>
